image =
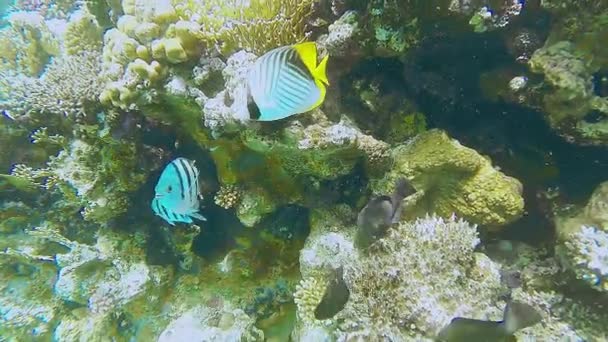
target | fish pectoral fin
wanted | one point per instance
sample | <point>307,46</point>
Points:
<point>198,216</point>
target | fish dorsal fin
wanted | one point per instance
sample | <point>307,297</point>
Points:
<point>308,54</point>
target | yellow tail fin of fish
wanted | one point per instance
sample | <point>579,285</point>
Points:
<point>308,53</point>
<point>320,71</point>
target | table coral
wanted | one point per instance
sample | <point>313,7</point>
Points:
<point>455,179</point>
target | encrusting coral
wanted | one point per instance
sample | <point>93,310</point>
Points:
<point>454,179</point>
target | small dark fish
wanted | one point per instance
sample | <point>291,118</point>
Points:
<point>335,297</point>
<point>517,316</point>
<point>380,212</point>
<point>512,279</point>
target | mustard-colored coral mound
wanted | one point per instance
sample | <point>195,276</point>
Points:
<point>455,179</point>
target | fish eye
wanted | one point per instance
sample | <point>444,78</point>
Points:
<point>169,188</point>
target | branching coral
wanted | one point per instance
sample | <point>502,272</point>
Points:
<point>27,43</point>
<point>83,33</point>
<point>69,87</point>
<point>307,296</point>
<point>455,179</point>
<point>422,275</point>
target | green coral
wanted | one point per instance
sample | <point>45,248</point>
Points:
<point>391,28</point>
<point>454,179</point>
<point>568,62</point>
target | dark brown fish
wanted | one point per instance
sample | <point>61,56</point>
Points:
<point>335,297</point>
<point>516,316</point>
<point>380,212</point>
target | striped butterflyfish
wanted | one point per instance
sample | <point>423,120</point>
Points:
<point>177,192</point>
<point>287,81</point>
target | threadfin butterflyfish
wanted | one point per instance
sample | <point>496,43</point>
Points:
<point>287,80</point>
<point>177,192</point>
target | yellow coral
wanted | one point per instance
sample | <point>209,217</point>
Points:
<point>455,179</point>
<point>82,33</point>
<point>307,296</point>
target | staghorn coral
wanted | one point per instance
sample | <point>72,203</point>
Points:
<point>455,179</point>
<point>69,87</point>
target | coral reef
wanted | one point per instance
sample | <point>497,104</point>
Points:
<point>69,86</point>
<point>27,43</point>
<point>97,95</point>
<point>151,40</point>
<point>583,237</point>
<point>455,179</point>
<point>204,324</point>
<point>228,196</point>
<point>571,97</point>
<point>411,283</point>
